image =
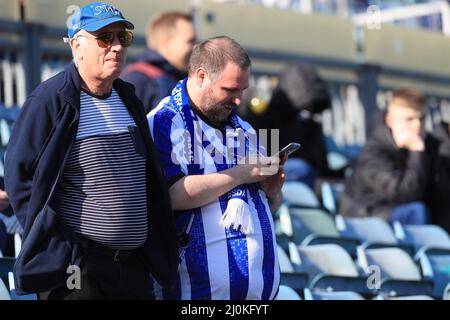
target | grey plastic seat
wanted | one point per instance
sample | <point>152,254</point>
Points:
<point>336,295</point>
<point>394,263</point>
<point>370,230</point>
<point>329,267</point>
<point>313,221</point>
<point>394,272</point>
<point>289,275</point>
<point>327,259</point>
<point>425,236</point>
<point>4,292</point>
<point>435,265</point>
<point>285,263</point>
<point>328,199</point>
<point>446,295</point>
<point>374,232</point>
<point>432,247</point>
<point>418,297</point>
<point>287,293</point>
<point>336,160</point>
<point>310,226</point>
<point>298,194</point>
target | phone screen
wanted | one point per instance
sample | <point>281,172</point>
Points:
<point>289,149</point>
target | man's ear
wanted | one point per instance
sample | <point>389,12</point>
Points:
<point>388,120</point>
<point>200,77</point>
<point>75,45</point>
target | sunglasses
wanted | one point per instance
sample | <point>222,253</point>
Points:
<point>104,40</point>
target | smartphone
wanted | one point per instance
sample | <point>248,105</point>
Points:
<point>288,150</point>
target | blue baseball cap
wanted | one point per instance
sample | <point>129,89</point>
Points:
<point>95,16</point>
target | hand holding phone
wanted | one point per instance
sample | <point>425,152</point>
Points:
<point>288,150</point>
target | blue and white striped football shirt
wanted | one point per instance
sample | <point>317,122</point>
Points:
<point>219,264</point>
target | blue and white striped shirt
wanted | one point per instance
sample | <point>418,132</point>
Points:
<point>218,263</point>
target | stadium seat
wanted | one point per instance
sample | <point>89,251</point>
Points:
<point>423,236</point>
<point>17,244</point>
<point>6,265</point>
<point>295,280</point>
<point>315,226</point>
<point>446,295</point>
<point>285,263</point>
<point>418,297</point>
<point>330,194</point>
<point>283,240</point>
<point>287,293</point>
<point>432,246</point>
<point>4,293</point>
<point>6,268</point>
<point>14,295</point>
<point>373,232</point>
<point>435,265</point>
<point>329,267</point>
<point>336,295</point>
<point>394,272</point>
<point>370,229</point>
<point>328,198</point>
<point>289,276</point>
<point>337,161</point>
<point>298,194</point>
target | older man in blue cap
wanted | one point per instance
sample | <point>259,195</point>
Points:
<point>83,179</point>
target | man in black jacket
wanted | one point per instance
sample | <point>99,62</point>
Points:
<point>392,172</point>
<point>439,190</point>
<point>170,39</point>
<point>84,180</point>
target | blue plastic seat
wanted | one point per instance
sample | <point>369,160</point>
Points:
<point>393,272</point>
<point>298,194</point>
<point>423,236</point>
<point>330,268</point>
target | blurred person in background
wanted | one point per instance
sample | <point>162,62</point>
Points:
<point>393,171</point>
<point>294,109</point>
<point>439,198</point>
<point>170,39</point>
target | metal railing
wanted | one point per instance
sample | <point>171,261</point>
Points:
<point>31,53</point>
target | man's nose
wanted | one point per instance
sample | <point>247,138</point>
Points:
<point>237,99</point>
<point>116,45</point>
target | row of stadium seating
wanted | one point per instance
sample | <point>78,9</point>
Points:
<point>333,257</point>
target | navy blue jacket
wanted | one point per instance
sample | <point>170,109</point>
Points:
<point>36,155</point>
<point>151,90</point>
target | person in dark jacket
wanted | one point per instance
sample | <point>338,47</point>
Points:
<point>170,39</point>
<point>84,180</point>
<point>301,95</point>
<point>394,167</point>
<point>440,187</point>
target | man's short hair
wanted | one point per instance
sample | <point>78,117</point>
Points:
<point>410,98</point>
<point>214,54</point>
<point>164,25</point>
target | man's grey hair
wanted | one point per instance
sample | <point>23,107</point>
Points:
<point>74,58</point>
<point>74,55</point>
<point>213,55</point>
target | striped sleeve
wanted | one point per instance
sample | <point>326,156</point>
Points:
<point>169,140</point>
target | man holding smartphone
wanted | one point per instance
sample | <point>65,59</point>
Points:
<point>223,206</point>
